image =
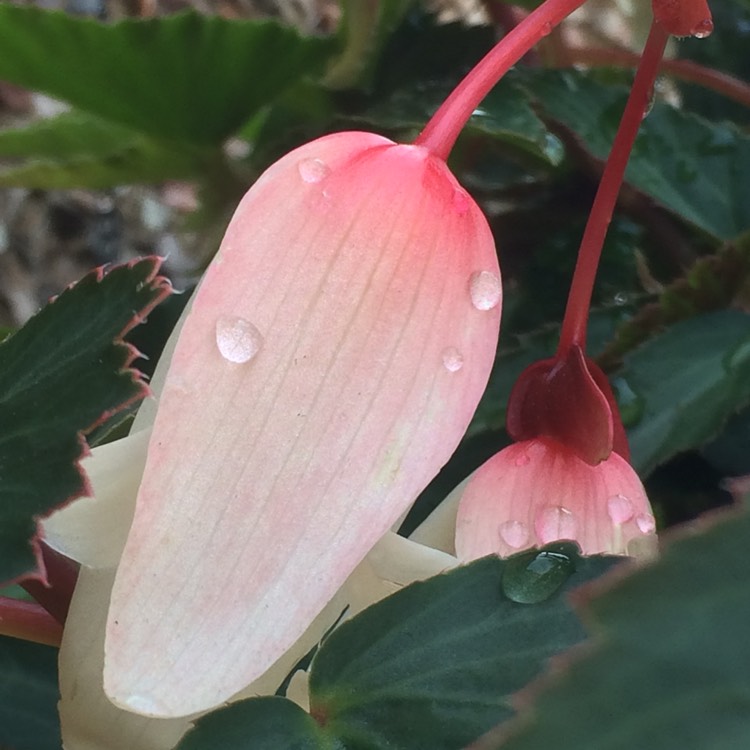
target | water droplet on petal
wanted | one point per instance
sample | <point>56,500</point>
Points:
<point>514,533</point>
<point>533,577</point>
<point>555,522</point>
<point>313,170</point>
<point>485,290</point>
<point>461,201</point>
<point>238,339</point>
<point>620,509</point>
<point>453,360</point>
<point>522,460</point>
<point>702,29</point>
<point>646,523</point>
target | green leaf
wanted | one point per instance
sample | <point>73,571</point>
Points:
<point>267,723</point>
<point>76,149</point>
<point>668,670</point>
<point>67,135</point>
<point>714,282</point>
<point>61,374</point>
<point>185,77</point>
<point>699,170</point>
<point>302,113</point>
<point>726,51</point>
<point>149,339</point>
<point>687,381</point>
<point>28,696</point>
<point>729,453</point>
<point>505,115</point>
<point>422,49</point>
<point>434,665</point>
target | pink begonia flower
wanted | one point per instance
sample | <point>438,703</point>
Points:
<point>566,477</point>
<point>539,491</point>
<point>332,359</point>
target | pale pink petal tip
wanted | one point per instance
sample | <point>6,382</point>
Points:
<point>334,354</point>
<point>538,491</point>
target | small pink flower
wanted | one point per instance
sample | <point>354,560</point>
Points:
<point>539,491</point>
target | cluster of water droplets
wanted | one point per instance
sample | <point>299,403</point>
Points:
<point>485,292</point>
<point>554,522</point>
<point>237,339</point>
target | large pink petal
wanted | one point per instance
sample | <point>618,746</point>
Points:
<point>368,282</point>
<point>538,491</point>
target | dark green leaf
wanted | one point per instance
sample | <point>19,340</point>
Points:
<point>149,339</point>
<point>60,375</point>
<point>434,665</point>
<point>185,77</point>
<point>302,113</point>
<point>505,115</point>
<point>79,150</point>
<point>726,51</point>
<point>730,452</point>
<point>699,170</point>
<point>690,379</point>
<point>422,49</point>
<point>669,667</point>
<point>267,723</point>
<point>28,696</point>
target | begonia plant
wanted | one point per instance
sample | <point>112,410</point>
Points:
<point>234,572</point>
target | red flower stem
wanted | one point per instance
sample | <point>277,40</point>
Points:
<point>29,621</point>
<point>56,594</point>
<point>574,324</point>
<point>442,130</point>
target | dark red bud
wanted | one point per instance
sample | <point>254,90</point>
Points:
<point>568,399</point>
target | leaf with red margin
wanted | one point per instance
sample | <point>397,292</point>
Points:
<point>64,372</point>
<point>667,668</point>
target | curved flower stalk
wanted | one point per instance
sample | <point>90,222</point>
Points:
<point>568,476</point>
<point>332,359</point>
